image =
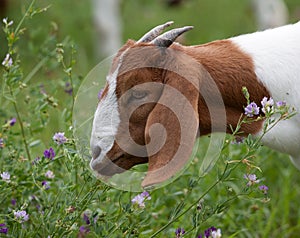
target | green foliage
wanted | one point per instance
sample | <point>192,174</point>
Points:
<point>72,202</point>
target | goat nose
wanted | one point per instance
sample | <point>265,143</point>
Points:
<point>96,151</point>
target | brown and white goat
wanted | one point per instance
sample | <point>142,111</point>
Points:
<point>161,95</point>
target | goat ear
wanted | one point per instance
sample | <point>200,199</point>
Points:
<point>172,128</point>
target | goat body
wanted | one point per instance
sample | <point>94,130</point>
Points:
<point>276,58</point>
<point>160,96</point>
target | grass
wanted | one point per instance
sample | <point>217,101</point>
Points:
<point>57,48</point>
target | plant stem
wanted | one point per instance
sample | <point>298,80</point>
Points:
<point>24,17</point>
<point>195,203</point>
<point>72,83</point>
<point>186,210</point>
<point>20,123</point>
<point>83,204</point>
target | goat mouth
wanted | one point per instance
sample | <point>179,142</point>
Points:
<point>109,167</point>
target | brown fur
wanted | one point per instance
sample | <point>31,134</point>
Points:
<point>231,69</point>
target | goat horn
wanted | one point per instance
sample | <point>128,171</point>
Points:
<point>167,39</point>
<point>156,31</point>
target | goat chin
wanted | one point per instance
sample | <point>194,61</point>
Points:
<point>105,168</point>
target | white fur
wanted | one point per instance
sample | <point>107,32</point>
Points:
<point>276,55</point>
<point>106,120</point>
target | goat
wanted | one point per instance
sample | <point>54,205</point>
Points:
<point>160,96</point>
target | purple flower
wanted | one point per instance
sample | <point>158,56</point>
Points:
<point>264,189</point>
<point>38,207</point>
<point>211,232</point>
<point>100,93</point>
<point>13,202</point>
<point>21,216</point>
<point>252,109</point>
<point>252,179</point>
<point>68,89</point>
<point>86,218</point>
<point>49,174</point>
<point>5,176</point>
<point>208,231</point>
<point>12,121</point>
<point>36,160</point>
<point>42,89</point>
<point>2,143</point>
<point>59,138</point>
<point>267,105</point>
<point>280,104</point>
<point>7,62</point>
<point>96,219</point>
<point>33,198</point>
<point>140,198</point>
<point>46,185</point>
<point>238,140</point>
<point>49,154</point>
<point>84,230</point>
<point>3,229</point>
<point>179,231</point>
<point>145,194</point>
<point>216,233</point>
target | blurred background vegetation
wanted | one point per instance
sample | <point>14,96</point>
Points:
<point>213,19</point>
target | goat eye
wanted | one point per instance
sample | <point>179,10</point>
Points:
<point>138,94</point>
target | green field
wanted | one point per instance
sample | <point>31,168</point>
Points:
<point>53,50</point>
